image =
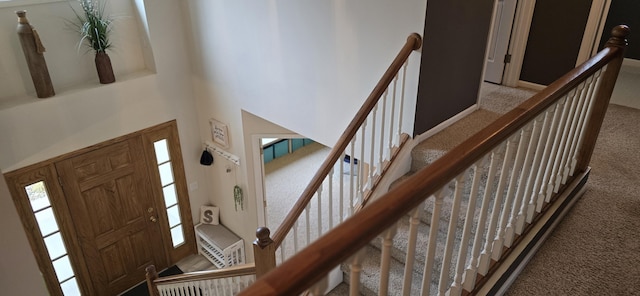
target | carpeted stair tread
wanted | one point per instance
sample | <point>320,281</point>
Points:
<point>437,145</point>
<point>370,276</point>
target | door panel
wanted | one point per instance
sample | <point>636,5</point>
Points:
<point>499,44</point>
<point>554,39</point>
<point>107,192</point>
<point>452,61</point>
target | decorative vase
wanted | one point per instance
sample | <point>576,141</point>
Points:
<point>103,66</point>
<point>34,54</point>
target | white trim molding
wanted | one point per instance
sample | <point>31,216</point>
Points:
<point>592,31</point>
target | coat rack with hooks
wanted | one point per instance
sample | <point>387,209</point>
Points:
<point>214,149</point>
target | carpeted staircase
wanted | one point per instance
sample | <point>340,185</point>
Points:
<point>495,101</point>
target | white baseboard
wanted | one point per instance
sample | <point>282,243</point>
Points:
<point>631,63</point>
<point>531,85</point>
<point>438,128</point>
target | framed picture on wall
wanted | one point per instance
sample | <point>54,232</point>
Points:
<point>219,133</point>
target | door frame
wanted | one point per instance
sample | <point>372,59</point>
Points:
<point>45,171</point>
<point>258,171</point>
<point>520,34</point>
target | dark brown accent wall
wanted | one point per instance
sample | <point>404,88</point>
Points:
<point>554,39</point>
<point>453,52</point>
<point>625,12</point>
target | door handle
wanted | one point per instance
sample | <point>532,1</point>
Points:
<point>153,219</point>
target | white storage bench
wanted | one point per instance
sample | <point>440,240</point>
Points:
<point>218,244</point>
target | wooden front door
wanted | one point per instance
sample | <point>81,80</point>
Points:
<point>109,194</point>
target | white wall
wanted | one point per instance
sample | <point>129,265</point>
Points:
<point>305,66</point>
<point>84,113</point>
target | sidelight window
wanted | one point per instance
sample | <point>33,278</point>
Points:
<point>167,180</point>
<point>53,240</point>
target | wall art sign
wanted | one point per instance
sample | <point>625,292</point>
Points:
<point>219,133</point>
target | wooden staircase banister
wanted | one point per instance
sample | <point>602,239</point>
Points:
<point>244,269</point>
<point>308,266</point>
<point>414,42</point>
<point>238,270</point>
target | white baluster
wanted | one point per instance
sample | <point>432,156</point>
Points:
<point>540,131</point>
<point>451,234</point>
<point>508,166</point>
<point>283,246</point>
<point>547,186</point>
<point>414,222</point>
<point>209,287</point>
<point>219,287</point>
<point>456,287</point>
<point>556,174</point>
<point>401,108</point>
<point>361,172</point>
<point>515,189</point>
<point>355,269</point>
<point>431,245</point>
<point>161,290</point>
<point>385,258</point>
<point>577,127</point>
<point>319,210</point>
<point>539,184</point>
<point>307,215</point>
<point>472,269</point>
<point>198,288</point>
<point>382,127</point>
<point>341,177</point>
<point>352,160</point>
<point>231,286</point>
<point>295,238</point>
<point>319,287</point>
<point>393,113</point>
<point>528,172</point>
<point>586,110</point>
<point>483,267</point>
<point>331,196</point>
<point>571,134</point>
<point>373,145</point>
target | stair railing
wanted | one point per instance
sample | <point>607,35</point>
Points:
<point>488,197</point>
<point>350,172</point>
<point>359,160</point>
<point>227,281</point>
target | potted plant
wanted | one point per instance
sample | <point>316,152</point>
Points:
<point>94,28</point>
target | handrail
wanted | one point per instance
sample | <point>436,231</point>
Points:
<point>312,263</point>
<point>238,270</point>
<point>414,42</point>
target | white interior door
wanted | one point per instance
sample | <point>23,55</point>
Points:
<point>504,12</point>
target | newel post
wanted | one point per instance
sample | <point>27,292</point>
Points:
<point>618,39</point>
<point>152,275</point>
<point>264,251</point>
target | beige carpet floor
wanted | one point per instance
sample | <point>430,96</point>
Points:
<point>596,248</point>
